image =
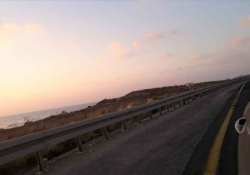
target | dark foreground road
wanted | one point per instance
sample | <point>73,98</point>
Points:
<point>166,145</point>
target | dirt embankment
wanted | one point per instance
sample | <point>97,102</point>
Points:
<point>103,107</point>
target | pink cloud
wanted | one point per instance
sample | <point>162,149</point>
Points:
<point>124,56</point>
<point>154,36</point>
<point>164,56</point>
<point>116,48</point>
<point>119,51</point>
<point>9,27</point>
<point>176,32</point>
<point>151,36</point>
<point>29,29</point>
<point>239,41</point>
<point>137,44</point>
<point>245,22</point>
<point>34,29</point>
<point>198,57</point>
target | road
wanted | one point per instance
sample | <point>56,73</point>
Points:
<point>174,143</point>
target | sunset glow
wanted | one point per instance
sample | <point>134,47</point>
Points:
<point>64,53</point>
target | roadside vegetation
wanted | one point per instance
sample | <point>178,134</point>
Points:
<point>105,106</point>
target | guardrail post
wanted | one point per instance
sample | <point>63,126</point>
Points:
<point>150,115</point>
<point>39,158</point>
<point>139,119</point>
<point>124,125</point>
<point>160,111</point>
<point>79,143</point>
<point>105,133</point>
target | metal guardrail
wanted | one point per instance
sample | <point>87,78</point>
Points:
<point>15,148</point>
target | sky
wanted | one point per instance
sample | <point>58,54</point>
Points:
<point>60,53</point>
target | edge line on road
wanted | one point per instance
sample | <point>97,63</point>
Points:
<point>214,155</point>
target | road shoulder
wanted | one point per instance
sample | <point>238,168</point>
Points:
<point>198,162</point>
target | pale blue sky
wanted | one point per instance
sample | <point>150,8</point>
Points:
<point>106,21</point>
<point>86,48</point>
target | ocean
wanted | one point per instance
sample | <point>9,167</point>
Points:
<point>12,121</point>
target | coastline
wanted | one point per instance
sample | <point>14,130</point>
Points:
<point>105,106</point>
<point>16,120</point>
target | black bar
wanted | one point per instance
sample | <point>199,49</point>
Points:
<point>105,133</point>
<point>124,125</point>
<point>139,119</point>
<point>79,143</point>
<point>160,111</point>
<point>150,115</point>
<point>39,158</point>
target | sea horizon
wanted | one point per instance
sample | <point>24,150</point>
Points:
<point>15,120</point>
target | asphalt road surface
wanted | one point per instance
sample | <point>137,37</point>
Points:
<point>174,143</point>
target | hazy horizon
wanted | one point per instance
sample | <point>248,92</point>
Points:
<point>97,100</point>
<point>40,110</point>
<point>61,53</point>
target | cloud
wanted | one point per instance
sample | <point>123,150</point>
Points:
<point>150,36</point>
<point>137,44</point>
<point>154,36</point>
<point>233,56</point>
<point>198,57</point>
<point>245,22</point>
<point>176,32</point>
<point>11,33</point>
<point>164,56</point>
<point>222,65</point>
<point>239,41</point>
<point>100,60</point>
<point>116,48</point>
<point>28,29</point>
<point>8,32</point>
<point>9,28</point>
<point>33,29</point>
<point>228,64</point>
<point>125,55</point>
<point>119,52</point>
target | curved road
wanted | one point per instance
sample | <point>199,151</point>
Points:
<point>165,145</point>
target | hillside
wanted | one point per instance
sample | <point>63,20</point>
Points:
<point>105,106</point>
